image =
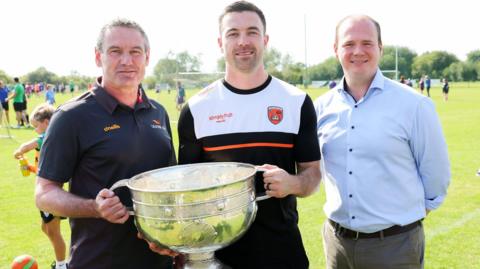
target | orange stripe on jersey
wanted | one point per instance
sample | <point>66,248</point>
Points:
<point>249,145</point>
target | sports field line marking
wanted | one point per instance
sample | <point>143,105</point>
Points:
<point>464,219</point>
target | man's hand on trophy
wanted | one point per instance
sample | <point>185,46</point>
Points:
<point>155,248</point>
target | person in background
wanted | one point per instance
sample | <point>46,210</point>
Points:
<point>421,85</point>
<point>445,89</point>
<point>71,86</point>
<point>41,116</point>
<point>4,102</point>
<point>428,84</point>
<point>332,84</point>
<point>385,160</point>
<point>18,96</point>
<point>25,122</point>
<point>180,98</point>
<point>50,95</point>
<point>409,82</point>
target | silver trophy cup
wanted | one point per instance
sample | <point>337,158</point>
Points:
<point>195,209</point>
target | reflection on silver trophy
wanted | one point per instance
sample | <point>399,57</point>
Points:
<point>195,209</point>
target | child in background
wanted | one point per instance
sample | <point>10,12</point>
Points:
<point>50,95</point>
<point>50,224</point>
<point>445,89</point>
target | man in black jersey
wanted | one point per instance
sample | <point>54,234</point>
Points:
<point>109,133</point>
<point>252,117</point>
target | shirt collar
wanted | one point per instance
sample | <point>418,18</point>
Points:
<point>378,83</point>
<point>110,104</point>
<point>249,91</point>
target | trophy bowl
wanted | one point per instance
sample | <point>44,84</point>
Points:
<point>195,209</point>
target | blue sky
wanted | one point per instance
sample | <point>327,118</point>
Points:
<point>61,35</point>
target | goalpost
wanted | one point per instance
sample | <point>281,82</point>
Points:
<point>396,65</point>
<point>197,80</point>
<point>391,71</point>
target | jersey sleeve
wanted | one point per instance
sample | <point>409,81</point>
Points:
<point>190,148</point>
<point>40,141</point>
<point>306,142</point>
<point>173,159</point>
<point>60,149</point>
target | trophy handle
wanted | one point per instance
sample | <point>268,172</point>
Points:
<point>119,184</point>
<point>260,192</point>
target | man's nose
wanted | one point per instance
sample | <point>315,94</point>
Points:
<point>357,49</point>
<point>243,40</point>
<point>125,58</point>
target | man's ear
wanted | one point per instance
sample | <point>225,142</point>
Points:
<point>98,57</point>
<point>220,43</point>
<point>335,48</point>
<point>147,56</point>
<point>266,38</point>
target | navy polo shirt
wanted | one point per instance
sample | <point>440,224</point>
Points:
<point>92,142</point>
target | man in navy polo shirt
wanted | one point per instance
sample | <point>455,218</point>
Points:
<point>110,133</point>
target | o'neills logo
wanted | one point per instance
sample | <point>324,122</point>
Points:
<point>156,124</point>
<point>112,127</point>
<point>221,117</point>
<point>275,114</point>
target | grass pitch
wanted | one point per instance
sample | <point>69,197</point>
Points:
<point>452,232</point>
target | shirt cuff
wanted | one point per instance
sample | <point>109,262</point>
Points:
<point>432,204</point>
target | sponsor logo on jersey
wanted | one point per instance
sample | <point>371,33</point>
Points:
<point>275,114</point>
<point>111,127</point>
<point>221,117</point>
<point>156,124</point>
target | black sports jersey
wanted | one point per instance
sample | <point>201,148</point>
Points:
<point>272,124</point>
<point>92,142</point>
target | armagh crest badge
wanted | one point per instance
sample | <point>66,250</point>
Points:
<point>275,114</point>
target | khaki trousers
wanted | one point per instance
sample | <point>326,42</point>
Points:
<point>400,251</point>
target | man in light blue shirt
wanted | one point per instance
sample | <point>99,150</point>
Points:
<point>4,101</point>
<point>385,161</point>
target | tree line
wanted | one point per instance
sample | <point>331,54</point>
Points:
<point>41,74</point>
<point>174,66</point>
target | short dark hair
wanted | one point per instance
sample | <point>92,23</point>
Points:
<point>377,26</point>
<point>16,79</point>
<point>121,22</point>
<point>241,6</point>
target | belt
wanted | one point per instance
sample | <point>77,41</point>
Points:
<point>396,229</point>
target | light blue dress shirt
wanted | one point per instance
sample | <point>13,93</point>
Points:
<point>384,157</point>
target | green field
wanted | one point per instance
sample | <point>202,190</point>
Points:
<point>452,232</point>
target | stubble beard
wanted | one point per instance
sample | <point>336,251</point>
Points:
<point>246,65</point>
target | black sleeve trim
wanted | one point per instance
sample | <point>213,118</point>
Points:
<point>306,142</point>
<point>173,158</point>
<point>189,148</point>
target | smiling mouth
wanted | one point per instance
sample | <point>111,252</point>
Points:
<point>244,53</point>
<point>358,61</point>
<point>126,72</point>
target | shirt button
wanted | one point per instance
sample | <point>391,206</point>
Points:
<point>350,150</point>
<point>350,195</point>
<point>350,172</point>
<point>353,127</point>
<point>356,106</point>
<point>353,217</point>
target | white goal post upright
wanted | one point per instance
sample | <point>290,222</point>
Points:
<point>396,65</point>
<point>198,79</point>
